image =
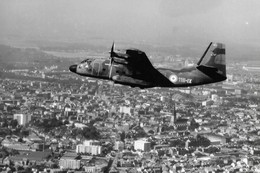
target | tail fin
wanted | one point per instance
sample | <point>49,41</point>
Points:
<point>214,57</point>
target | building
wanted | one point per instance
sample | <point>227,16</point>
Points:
<point>22,119</point>
<point>70,161</point>
<point>30,158</point>
<point>119,145</point>
<point>214,97</point>
<point>181,124</point>
<point>91,169</point>
<point>142,145</point>
<point>94,150</point>
<point>90,147</point>
<point>215,139</point>
<point>91,142</point>
<point>230,78</point>
<point>95,169</point>
<point>126,110</point>
<point>207,103</point>
<point>173,117</point>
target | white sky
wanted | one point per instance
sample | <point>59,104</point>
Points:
<point>153,21</point>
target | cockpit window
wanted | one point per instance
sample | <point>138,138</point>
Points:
<point>86,64</point>
<point>86,60</point>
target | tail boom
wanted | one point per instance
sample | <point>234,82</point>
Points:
<point>211,68</point>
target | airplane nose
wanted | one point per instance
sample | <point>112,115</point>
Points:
<point>73,68</point>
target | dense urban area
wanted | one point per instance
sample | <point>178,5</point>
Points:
<point>52,120</point>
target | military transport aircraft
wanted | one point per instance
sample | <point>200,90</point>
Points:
<point>132,67</point>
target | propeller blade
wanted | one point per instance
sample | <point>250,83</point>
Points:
<point>110,68</point>
<point>112,53</point>
<point>111,60</point>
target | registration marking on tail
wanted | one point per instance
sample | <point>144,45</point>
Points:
<point>185,80</point>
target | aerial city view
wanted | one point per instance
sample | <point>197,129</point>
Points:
<point>120,86</point>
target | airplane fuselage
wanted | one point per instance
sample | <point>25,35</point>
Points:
<point>101,68</point>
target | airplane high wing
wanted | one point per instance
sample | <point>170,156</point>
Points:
<point>137,61</point>
<point>133,57</point>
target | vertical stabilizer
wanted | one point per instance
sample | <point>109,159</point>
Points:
<point>214,57</point>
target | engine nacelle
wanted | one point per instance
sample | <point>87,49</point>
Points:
<point>120,61</point>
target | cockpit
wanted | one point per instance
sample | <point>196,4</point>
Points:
<point>85,64</point>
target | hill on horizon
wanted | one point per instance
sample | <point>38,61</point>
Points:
<point>20,50</point>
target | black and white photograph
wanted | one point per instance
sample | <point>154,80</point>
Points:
<point>130,86</point>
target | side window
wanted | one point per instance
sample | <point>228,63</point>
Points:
<point>87,66</point>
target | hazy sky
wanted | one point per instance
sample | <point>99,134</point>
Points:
<point>152,21</point>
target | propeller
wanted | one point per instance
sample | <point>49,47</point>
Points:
<point>112,54</point>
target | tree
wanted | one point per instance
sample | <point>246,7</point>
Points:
<point>54,166</point>
<point>212,150</point>
<point>207,114</point>
<point>151,131</point>
<point>193,125</point>
<point>14,123</point>
<point>178,142</point>
<point>202,141</point>
<point>48,124</point>
<point>66,122</point>
<point>90,132</point>
<point>122,136</point>
<point>14,152</point>
<point>20,140</point>
<point>140,133</point>
<point>29,170</point>
<point>25,133</point>
<point>20,168</point>
<point>5,124</point>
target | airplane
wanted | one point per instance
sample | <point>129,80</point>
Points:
<point>132,67</point>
